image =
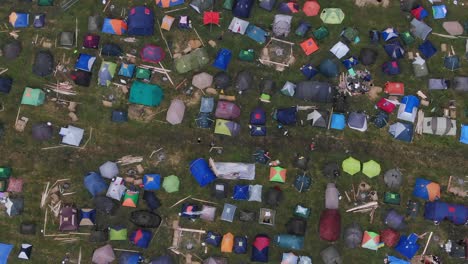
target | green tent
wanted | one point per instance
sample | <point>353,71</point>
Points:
<point>247,55</point>
<point>5,172</point>
<point>371,168</point>
<point>320,33</point>
<point>407,38</point>
<point>171,184</point>
<point>117,233</point>
<point>351,165</point>
<point>192,61</point>
<point>226,127</point>
<point>106,73</point>
<point>33,97</point>
<point>332,16</point>
<point>227,4</point>
<point>45,2</point>
<point>277,174</point>
<point>142,73</point>
<point>145,94</point>
<point>371,240</point>
<point>3,185</point>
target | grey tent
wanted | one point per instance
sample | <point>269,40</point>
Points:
<point>43,63</point>
<point>332,171</point>
<point>229,212</point>
<point>206,104</point>
<point>221,80</point>
<point>103,255</point>
<point>438,84</point>
<point>42,131</point>
<point>104,204</point>
<point>408,5</point>
<point>215,260</point>
<point>301,162</point>
<point>454,28</point>
<point>296,226</point>
<point>330,255</point>
<point>281,25</point>
<point>274,196</point>
<point>246,216</point>
<point>267,86</point>
<point>329,68</point>
<point>99,236</point>
<point>109,169</point>
<point>204,120</point>
<point>441,126</point>
<point>175,113</point>
<point>14,206</point>
<point>67,39</point>
<point>12,50</point>
<point>145,219</point>
<point>94,23</point>
<point>331,196</point>
<point>318,118</point>
<point>420,67</point>
<point>357,121</point>
<point>201,5</point>
<point>420,29</point>
<point>314,91</point>
<point>368,56</point>
<point>393,178</point>
<point>202,80</point>
<point>267,4</point>
<point>166,259</point>
<point>394,220</point>
<point>244,81</point>
<point>353,236</point>
<point>460,84</point>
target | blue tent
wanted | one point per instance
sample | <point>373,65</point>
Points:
<point>258,130</point>
<point>389,33</point>
<point>381,119</point>
<point>395,260</point>
<point>394,50</point>
<point>256,33</point>
<point>426,189</point>
<point>119,116</point>
<point>302,29</point>
<point>152,182</point>
<point>338,121</point>
<point>204,120</point>
<point>258,116</point>
<point>242,8</point>
<point>166,259</point>
<point>464,134</point>
<point>85,62</point>
<point>140,21</point>
<point>391,67</point>
<point>328,68</point>
<point>201,172</point>
<point>241,192</point>
<point>309,71</point>
<point>374,36</point>
<point>87,216</point>
<point>127,70</point>
<point>222,59</point>
<point>39,21</point>
<point>130,258</point>
<point>439,11</point>
<point>111,50</point>
<point>95,184</point>
<point>350,62</point>
<point>260,248</point>
<point>402,131</point>
<point>240,245</point>
<point>141,238</point>
<point>19,20</point>
<point>114,26</point>
<point>285,116</point>
<point>5,250</point>
<point>437,211</point>
<point>290,241</point>
<point>407,246</point>
<point>427,49</point>
<point>213,238</point>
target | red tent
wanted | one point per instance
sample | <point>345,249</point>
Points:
<point>330,225</point>
<point>394,88</point>
<point>91,41</point>
<point>311,8</point>
<point>389,237</point>
<point>210,17</point>
<point>309,46</point>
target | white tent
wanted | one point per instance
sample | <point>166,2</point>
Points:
<point>331,196</point>
<point>116,189</point>
<point>208,213</point>
<point>255,193</point>
<point>238,25</point>
<point>234,170</point>
<point>175,113</point>
<point>409,116</point>
<point>71,135</point>
<point>109,170</point>
<point>339,49</point>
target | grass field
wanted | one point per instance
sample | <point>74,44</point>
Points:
<point>430,157</point>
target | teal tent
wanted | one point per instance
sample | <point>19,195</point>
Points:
<point>145,94</point>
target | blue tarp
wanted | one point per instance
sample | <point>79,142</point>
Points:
<point>5,250</point>
<point>407,245</point>
<point>85,62</point>
<point>309,71</point>
<point>338,121</point>
<point>222,59</point>
<point>241,192</point>
<point>256,33</point>
<point>290,241</point>
<point>242,8</point>
<point>201,172</point>
<point>152,182</point>
<point>464,134</point>
<point>240,245</point>
<point>438,211</point>
<point>140,21</point>
<point>258,116</point>
<point>286,116</point>
<point>213,238</point>
<point>95,184</point>
<point>427,49</point>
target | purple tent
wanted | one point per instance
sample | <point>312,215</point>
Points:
<point>152,53</point>
<point>227,110</point>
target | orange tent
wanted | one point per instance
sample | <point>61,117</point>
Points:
<point>309,46</point>
<point>395,88</point>
<point>311,8</point>
<point>228,243</point>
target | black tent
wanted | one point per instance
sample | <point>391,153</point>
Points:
<point>221,80</point>
<point>296,226</point>
<point>151,200</point>
<point>81,78</point>
<point>408,5</point>
<point>246,216</point>
<point>267,86</point>
<point>332,171</point>
<point>12,50</point>
<point>314,91</point>
<point>166,259</point>
<point>104,204</point>
<point>301,162</point>
<point>368,56</point>
<point>43,63</point>
<point>42,131</point>
<point>111,50</point>
<point>353,236</point>
<point>98,236</point>
<point>5,84</point>
<point>27,228</point>
<point>219,190</point>
<point>145,219</point>
<point>244,81</point>
<point>274,196</point>
<point>460,84</point>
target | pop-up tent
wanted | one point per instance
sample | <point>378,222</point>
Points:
<point>140,21</point>
<point>145,94</point>
<point>351,165</point>
<point>357,121</point>
<point>201,171</point>
<point>389,237</point>
<point>114,26</point>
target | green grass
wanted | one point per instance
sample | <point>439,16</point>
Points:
<point>431,157</point>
